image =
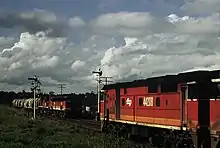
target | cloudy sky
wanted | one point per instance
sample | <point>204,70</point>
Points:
<point>63,41</point>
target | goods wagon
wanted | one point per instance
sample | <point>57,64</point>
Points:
<point>184,104</point>
<point>88,112</point>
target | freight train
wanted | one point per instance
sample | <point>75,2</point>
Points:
<point>185,107</point>
<point>61,106</point>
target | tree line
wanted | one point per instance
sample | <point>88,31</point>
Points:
<point>88,98</point>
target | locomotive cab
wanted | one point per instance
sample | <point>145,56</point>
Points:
<point>200,109</point>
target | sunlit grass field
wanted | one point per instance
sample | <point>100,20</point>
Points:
<point>17,130</point>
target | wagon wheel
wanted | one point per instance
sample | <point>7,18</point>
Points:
<point>122,130</point>
<point>64,114</point>
<point>167,143</point>
<point>60,114</point>
<point>115,130</point>
<point>150,140</point>
<point>127,135</point>
<point>109,129</point>
<point>189,142</point>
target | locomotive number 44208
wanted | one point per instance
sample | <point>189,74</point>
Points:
<point>148,101</point>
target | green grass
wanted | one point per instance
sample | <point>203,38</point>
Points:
<point>18,131</point>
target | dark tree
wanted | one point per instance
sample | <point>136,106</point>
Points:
<point>88,99</point>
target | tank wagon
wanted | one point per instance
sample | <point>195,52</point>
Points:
<point>26,103</point>
<point>186,105</point>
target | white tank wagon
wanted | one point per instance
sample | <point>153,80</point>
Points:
<point>23,102</point>
<point>29,103</point>
<point>38,102</point>
<point>18,103</point>
<point>14,102</point>
<point>26,103</point>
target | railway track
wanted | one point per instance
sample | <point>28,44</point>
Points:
<point>88,124</point>
<point>91,125</point>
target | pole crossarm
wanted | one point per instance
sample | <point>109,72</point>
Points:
<point>106,79</point>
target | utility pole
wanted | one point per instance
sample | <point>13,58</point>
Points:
<point>219,24</point>
<point>61,88</point>
<point>99,74</point>
<point>35,83</point>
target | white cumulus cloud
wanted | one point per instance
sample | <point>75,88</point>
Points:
<point>159,55</point>
<point>129,24</point>
<point>31,54</point>
<point>124,19</point>
<point>77,65</point>
<point>127,45</point>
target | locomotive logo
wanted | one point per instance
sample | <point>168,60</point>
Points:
<point>148,101</point>
<point>128,101</point>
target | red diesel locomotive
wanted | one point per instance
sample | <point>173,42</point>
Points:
<point>62,106</point>
<point>182,103</point>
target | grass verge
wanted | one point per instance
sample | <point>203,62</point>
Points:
<point>18,131</point>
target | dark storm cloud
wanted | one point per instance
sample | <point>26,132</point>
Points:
<point>33,22</point>
<point>15,80</point>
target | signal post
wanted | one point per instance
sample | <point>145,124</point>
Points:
<point>99,74</point>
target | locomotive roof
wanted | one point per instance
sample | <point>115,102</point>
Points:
<point>60,98</point>
<point>178,78</point>
<point>64,98</point>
